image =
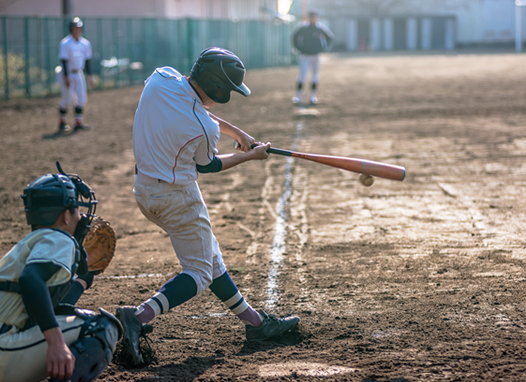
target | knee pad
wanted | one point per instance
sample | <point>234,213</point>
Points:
<point>104,326</point>
<point>94,349</point>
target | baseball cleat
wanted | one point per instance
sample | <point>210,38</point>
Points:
<point>296,100</point>
<point>313,100</point>
<point>63,128</point>
<point>272,326</point>
<point>133,329</point>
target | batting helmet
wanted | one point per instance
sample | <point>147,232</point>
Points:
<point>218,72</point>
<point>50,195</point>
<point>75,22</point>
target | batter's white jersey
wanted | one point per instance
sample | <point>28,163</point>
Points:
<point>75,52</point>
<point>40,246</point>
<point>172,131</point>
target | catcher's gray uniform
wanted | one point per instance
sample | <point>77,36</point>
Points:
<point>23,352</point>
<point>37,278</point>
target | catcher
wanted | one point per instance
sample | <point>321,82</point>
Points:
<point>41,333</point>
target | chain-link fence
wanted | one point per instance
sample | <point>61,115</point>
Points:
<point>127,50</point>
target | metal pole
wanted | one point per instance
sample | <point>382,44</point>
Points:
<point>115,28</point>
<point>27,72</point>
<point>518,24</point>
<point>48,55</point>
<point>518,28</point>
<point>100,44</point>
<point>304,10</point>
<point>66,8</point>
<point>129,37</point>
<point>6,62</point>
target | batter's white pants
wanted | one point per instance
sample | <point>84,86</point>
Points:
<point>76,93</point>
<point>23,354</point>
<point>181,212</point>
<point>309,63</point>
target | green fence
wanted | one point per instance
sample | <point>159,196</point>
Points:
<point>127,50</point>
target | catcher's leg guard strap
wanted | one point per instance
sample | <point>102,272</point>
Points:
<point>91,358</point>
<point>104,326</point>
<point>94,349</point>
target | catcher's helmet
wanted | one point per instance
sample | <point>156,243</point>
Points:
<point>75,22</point>
<point>48,196</point>
<point>218,72</point>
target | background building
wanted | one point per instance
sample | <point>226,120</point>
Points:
<point>361,25</point>
<point>171,9</point>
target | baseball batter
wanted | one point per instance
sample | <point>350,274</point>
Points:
<point>310,39</point>
<point>174,138</point>
<point>75,56</point>
<point>41,333</point>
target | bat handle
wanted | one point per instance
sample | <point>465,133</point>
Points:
<point>270,150</point>
<point>237,145</point>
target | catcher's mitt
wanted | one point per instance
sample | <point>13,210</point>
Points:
<point>99,244</point>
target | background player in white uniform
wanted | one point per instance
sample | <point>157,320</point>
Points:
<point>310,39</point>
<point>40,336</point>
<point>174,138</point>
<point>75,56</point>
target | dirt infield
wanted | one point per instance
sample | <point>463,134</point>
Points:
<point>420,280</point>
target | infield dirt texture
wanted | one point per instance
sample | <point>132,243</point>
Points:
<point>420,280</point>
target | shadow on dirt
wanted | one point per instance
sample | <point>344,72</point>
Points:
<point>64,133</point>
<point>291,338</point>
<point>189,370</point>
<point>56,135</point>
<point>376,378</point>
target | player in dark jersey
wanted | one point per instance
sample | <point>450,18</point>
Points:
<point>310,39</point>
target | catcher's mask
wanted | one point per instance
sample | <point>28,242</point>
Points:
<point>218,72</point>
<point>50,195</point>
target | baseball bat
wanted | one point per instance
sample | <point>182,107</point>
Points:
<point>360,166</point>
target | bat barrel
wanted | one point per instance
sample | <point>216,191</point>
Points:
<point>382,170</point>
<point>360,166</point>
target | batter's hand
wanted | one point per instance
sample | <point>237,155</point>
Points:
<point>245,142</point>
<point>92,82</point>
<point>66,81</point>
<point>260,151</point>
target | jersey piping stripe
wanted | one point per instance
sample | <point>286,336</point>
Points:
<point>38,342</point>
<point>204,132</point>
<point>177,156</point>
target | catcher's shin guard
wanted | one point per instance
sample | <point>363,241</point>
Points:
<point>94,349</point>
<point>91,358</point>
